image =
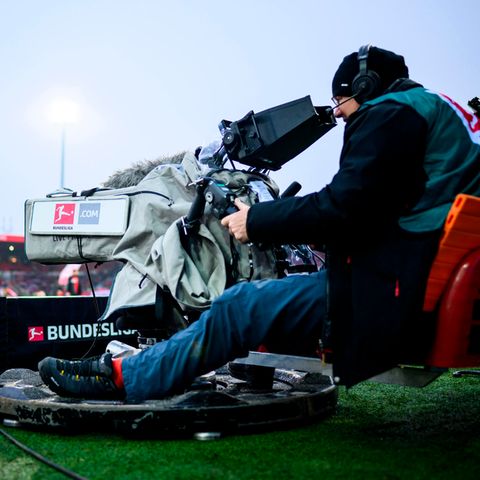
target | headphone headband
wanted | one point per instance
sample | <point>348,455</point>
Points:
<point>367,82</point>
<point>363,52</point>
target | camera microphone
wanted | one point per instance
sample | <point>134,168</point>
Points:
<point>331,109</point>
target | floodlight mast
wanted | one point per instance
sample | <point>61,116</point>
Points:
<point>63,112</point>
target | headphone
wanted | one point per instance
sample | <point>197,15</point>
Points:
<point>367,82</point>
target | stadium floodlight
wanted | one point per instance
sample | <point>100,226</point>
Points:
<point>63,112</point>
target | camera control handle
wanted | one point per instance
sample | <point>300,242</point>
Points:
<point>291,190</point>
<point>198,205</point>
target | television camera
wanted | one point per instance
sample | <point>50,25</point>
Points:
<point>263,141</point>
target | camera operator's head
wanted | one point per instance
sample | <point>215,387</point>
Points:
<point>364,75</point>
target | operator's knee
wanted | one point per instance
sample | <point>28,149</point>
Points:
<point>234,317</point>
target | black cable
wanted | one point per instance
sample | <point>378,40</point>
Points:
<point>97,310</point>
<point>41,458</point>
<point>250,261</point>
<point>234,261</point>
<point>95,301</point>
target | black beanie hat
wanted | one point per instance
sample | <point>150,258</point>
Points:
<point>388,65</point>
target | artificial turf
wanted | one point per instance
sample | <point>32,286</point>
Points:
<point>377,432</point>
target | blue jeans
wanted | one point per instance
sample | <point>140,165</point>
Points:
<point>285,315</point>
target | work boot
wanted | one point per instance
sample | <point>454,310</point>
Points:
<point>90,378</point>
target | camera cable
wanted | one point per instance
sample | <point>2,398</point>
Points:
<point>97,311</point>
<point>41,458</point>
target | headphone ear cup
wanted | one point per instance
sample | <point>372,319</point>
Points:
<point>365,86</point>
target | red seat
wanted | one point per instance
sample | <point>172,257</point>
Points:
<point>453,289</point>
<point>461,236</point>
<point>457,340</point>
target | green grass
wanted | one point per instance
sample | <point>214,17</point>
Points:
<point>378,432</point>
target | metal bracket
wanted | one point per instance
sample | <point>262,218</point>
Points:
<point>286,362</point>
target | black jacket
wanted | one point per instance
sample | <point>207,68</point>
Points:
<point>377,272</point>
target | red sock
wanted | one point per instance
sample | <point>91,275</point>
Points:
<point>117,375</point>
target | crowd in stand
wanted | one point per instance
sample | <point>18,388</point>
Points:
<point>34,279</point>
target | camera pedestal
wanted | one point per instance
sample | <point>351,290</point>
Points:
<point>223,404</point>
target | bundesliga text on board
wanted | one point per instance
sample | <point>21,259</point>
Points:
<point>80,331</point>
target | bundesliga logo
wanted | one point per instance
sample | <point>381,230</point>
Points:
<point>64,214</point>
<point>35,334</point>
<point>74,332</point>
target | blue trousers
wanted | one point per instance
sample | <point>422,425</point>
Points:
<point>285,315</point>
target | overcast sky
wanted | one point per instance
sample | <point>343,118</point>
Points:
<point>153,77</point>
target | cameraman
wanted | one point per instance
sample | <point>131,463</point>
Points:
<point>407,153</point>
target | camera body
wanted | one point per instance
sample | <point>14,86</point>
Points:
<point>220,198</point>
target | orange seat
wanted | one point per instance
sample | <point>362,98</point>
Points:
<point>461,235</point>
<point>453,288</point>
<point>457,339</point>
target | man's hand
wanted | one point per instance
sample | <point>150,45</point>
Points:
<point>236,223</point>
